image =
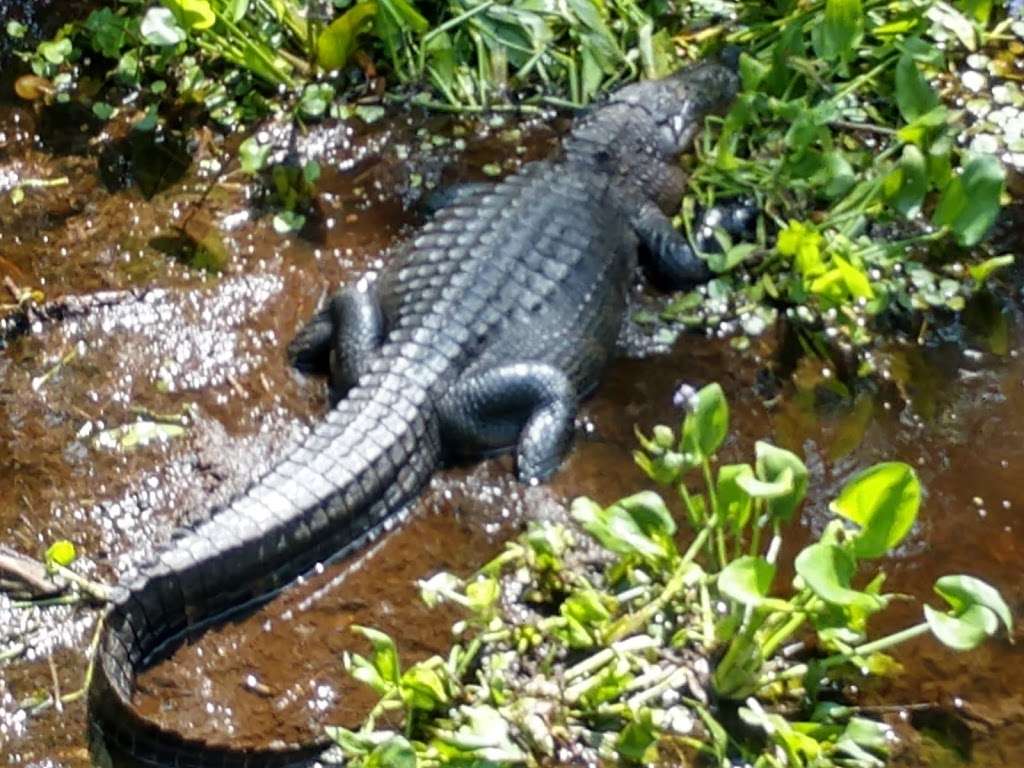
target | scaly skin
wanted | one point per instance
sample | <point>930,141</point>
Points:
<point>483,334</point>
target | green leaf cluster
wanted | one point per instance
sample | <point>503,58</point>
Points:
<point>602,636</point>
<point>870,207</point>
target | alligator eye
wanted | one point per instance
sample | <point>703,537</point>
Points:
<point>677,124</point>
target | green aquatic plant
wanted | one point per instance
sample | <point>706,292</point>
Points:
<point>844,135</point>
<point>602,640</point>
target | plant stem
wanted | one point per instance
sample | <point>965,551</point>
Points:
<point>874,646</point>
<point>723,556</point>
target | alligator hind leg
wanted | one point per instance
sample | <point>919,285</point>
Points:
<point>529,405</point>
<point>341,337</point>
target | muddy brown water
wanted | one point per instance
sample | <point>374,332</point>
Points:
<point>172,342</point>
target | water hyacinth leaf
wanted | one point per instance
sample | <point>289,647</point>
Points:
<point>486,735</point>
<point>648,509</point>
<point>756,488</point>
<point>108,32</point>
<point>253,154</point>
<point>914,95</point>
<point>981,272</point>
<point>979,10</point>
<point>771,466</point>
<point>385,656</point>
<point>586,607</point>
<point>883,500</point>
<point>828,570</point>
<point>615,529</point>
<point>637,740</point>
<point>838,175</point>
<point>842,29</point>
<point>869,734</point>
<point>747,580</point>
<point>734,503</point>
<point>160,28</point>
<point>965,631</point>
<point>61,552</point>
<point>423,688</point>
<point>316,98</point>
<point>396,752</point>
<point>970,202</point>
<point>911,182</point>
<point>193,15</point>
<point>351,742</point>
<point>962,592</point>
<point>55,51</point>
<point>707,425</point>
<point>482,594</point>
<point>729,259</point>
<point>237,9</point>
<point>337,42</point>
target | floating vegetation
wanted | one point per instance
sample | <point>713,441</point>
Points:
<point>872,135</point>
<point>601,642</point>
<point>875,200</point>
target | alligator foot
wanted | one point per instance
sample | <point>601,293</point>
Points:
<point>341,338</point>
<point>530,405</point>
<point>672,258</point>
<point>736,217</point>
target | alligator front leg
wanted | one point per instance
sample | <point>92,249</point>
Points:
<point>529,405</point>
<point>341,338</point>
<point>671,256</point>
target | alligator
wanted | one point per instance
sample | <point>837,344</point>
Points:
<point>482,335</point>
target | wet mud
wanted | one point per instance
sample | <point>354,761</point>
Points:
<point>200,354</point>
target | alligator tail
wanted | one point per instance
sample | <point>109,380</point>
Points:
<point>331,494</point>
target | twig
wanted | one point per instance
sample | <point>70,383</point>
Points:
<point>57,703</point>
<point>17,570</point>
<point>95,590</point>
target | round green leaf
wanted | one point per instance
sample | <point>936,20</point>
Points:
<point>747,580</point>
<point>963,632</point>
<point>615,529</point>
<point>734,502</point>
<point>706,426</point>
<point>970,202</point>
<point>396,752</point>
<point>914,95</point>
<point>911,182</point>
<point>828,570</point>
<point>193,14</point>
<point>159,27</point>
<point>336,43</point>
<point>772,465</point>
<point>253,155</point>
<point>760,489</point>
<point>962,592</point>
<point>649,511</point>
<point>883,500</point>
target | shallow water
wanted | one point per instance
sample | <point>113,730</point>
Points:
<point>174,344</point>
